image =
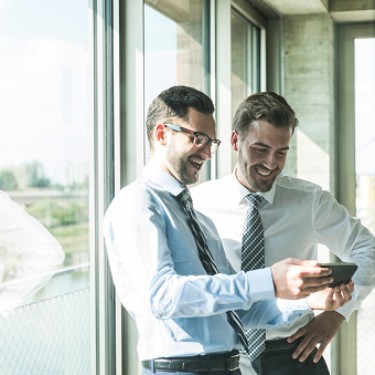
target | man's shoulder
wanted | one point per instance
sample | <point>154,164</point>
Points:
<point>294,184</point>
<point>135,190</point>
<point>136,196</point>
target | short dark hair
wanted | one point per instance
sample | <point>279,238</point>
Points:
<point>267,106</point>
<point>175,102</point>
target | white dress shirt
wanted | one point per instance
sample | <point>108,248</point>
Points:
<point>29,254</point>
<point>297,216</point>
<point>159,278</point>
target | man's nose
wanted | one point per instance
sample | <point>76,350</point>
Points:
<point>270,161</point>
<point>206,151</point>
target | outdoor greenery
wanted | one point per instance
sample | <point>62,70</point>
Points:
<point>67,221</point>
<point>63,210</point>
<point>8,180</point>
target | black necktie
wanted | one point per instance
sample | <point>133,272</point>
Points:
<point>206,258</point>
<point>252,253</point>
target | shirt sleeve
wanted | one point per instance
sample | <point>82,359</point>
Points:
<point>153,270</point>
<point>349,240</point>
<point>30,255</point>
<point>268,315</point>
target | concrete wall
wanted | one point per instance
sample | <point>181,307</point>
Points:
<point>307,49</point>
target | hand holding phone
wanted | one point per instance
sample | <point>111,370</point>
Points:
<point>341,272</point>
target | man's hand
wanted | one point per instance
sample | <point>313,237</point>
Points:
<point>332,298</point>
<point>294,278</point>
<point>320,330</point>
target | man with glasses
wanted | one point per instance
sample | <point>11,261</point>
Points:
<point>168,263</point>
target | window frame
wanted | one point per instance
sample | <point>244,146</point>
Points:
<point>344,351</point>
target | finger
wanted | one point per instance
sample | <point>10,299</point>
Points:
<point>301,349</point>
<point>330,299</point>
<point>317,281</point>
<point>306,263</point>
<point>338,288</point>
<point>296,335</point>
<point>346,295</point>
<point>338,299</point>
<point>315,271</point>
<point>320,352</point>
<point>350,286</point>
<point>312,287</point>
<point>308,350</point>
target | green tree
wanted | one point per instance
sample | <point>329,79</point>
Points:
<point>8,180</point>
<point>36,176</point>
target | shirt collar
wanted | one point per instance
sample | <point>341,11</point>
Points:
<point>242,191</point>
<point>155,173</point>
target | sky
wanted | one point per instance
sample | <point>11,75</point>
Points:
<point>44,84</point>
<point>160,53</point>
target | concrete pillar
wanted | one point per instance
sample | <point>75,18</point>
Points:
<point>308,82</point>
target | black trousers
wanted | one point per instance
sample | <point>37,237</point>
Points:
<point>280,362</point>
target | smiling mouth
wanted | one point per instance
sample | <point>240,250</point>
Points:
<point>264,172</point>
<point>196,163</point>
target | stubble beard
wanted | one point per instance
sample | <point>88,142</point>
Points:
<point>250,175</point>
<point>179,167</point>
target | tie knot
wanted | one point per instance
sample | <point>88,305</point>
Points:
<point>254,199</point>
<point>185,198</point>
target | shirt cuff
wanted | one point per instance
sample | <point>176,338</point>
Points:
<point>292,305</point>
<point>261,284</point>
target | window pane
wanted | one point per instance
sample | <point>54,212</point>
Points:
<point>174,47</point>
<point>44,170</point>
<point>240,79</point>
<point>365,178</point>
<point>245,59</point>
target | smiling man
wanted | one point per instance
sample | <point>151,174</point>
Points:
<point>261,155</point>
<point>294,217</point>
<point>168,263</point>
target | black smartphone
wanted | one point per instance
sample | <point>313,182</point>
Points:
<point>341,272</point>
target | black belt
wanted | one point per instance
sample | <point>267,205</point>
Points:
<point>209,362</point>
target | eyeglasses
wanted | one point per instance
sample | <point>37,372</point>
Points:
<point>200,139</point>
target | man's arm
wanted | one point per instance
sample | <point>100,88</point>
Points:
<point>349,240</point>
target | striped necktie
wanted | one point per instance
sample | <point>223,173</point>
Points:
<point>253,258</point>
<point>206,258</point>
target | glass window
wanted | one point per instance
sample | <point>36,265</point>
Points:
<point>245,59</point>
<point>175,50</point>
<point>364,50</point>
<point>44,170</point>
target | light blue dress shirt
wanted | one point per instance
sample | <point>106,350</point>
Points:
<point>178,309</point>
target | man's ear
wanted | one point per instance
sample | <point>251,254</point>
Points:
<point>160,134</point>
<point>234,140</point>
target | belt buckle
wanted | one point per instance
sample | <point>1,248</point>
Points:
<point>232,363</point>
